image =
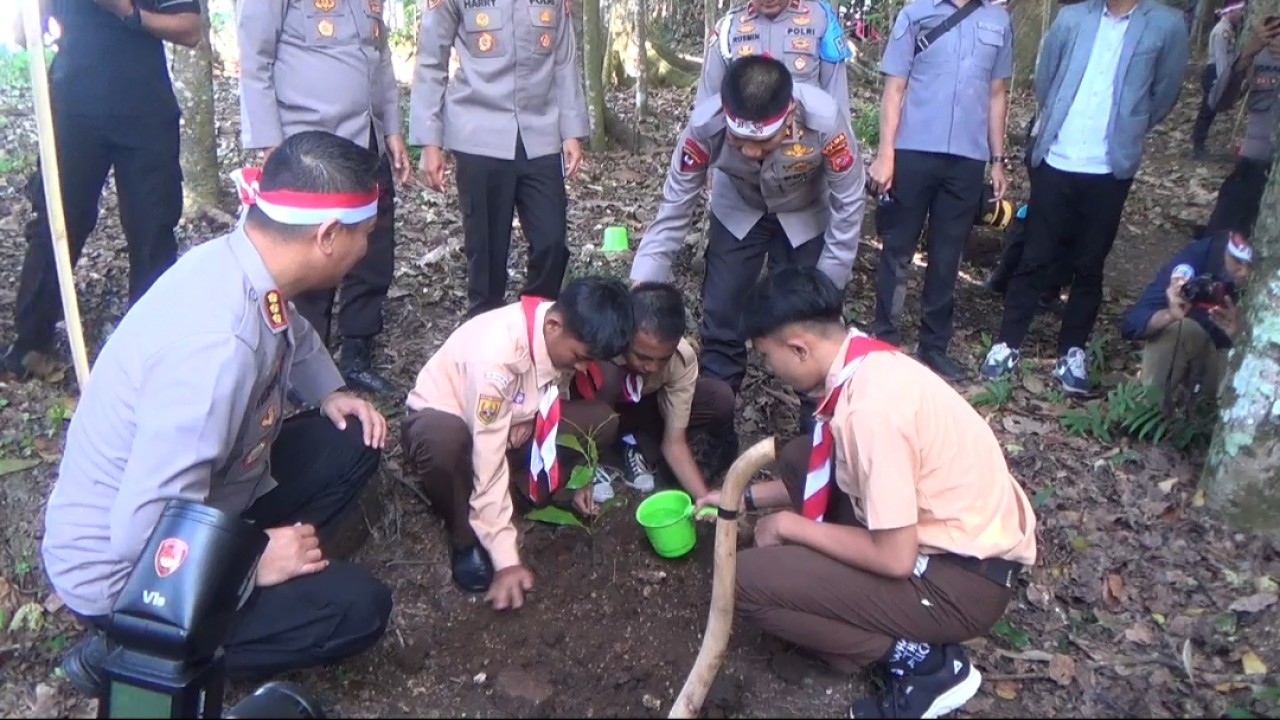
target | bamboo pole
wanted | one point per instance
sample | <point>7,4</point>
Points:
<point>716,639</point>
<point>52,182</point>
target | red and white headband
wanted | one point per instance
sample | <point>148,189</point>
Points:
<point>296,207</point>
<point>756,129</point>
<point>1239,248</point>
<point>1230,7</point>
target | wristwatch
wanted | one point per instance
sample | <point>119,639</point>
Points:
<point>1001,159</point>
<point>134,19</point>
<point>748,501</point>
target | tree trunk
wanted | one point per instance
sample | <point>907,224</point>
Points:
<point>642,69</point>
<point>1200,27</point>
<point>193,85</point>
<point>665,67</point>
<point>1242,474</point>
<point>593,64</point>
<point>711,14</point>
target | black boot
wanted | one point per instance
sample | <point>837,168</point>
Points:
<point>83,664</point>
<point>942,364</point>
<point>472,568</point>
<point>356,364</point>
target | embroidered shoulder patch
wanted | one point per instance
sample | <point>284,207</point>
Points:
<point>487,407</point>
<point>839,156</point>
<point>693,157</point>
<point>499,380</point>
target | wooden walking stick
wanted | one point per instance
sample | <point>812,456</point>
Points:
<point>51,180</point>
<point>716,639</point>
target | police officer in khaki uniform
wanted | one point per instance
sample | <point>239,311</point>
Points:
<point>805,34</point>
<point>512,117</point>
<point>325,65</point>
<point>188,401</point>
<point>942,118</point>
<point>788,185</point>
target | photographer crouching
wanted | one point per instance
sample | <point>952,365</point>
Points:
<point>1186,318</point>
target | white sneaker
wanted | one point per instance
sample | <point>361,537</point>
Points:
<point>602,485</point>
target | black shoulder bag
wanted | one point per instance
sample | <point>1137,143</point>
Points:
<point>945,26</point>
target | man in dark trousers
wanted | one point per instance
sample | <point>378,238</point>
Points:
<point>513,117</point>
<point>113,107</point>
<point>188,403</point>
<point>942,119</point>
<point>284,48</point>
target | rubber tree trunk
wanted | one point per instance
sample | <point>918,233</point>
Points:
<point>1242,474</point>
<point>193,85</point>
<point>593,68</point>
<point>642,61</point>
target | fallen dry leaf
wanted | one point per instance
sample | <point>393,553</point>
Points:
<point>1033,383</point>
<point>1197,500</point>
<point>1022,425</point>
<point>1167,485</point>
<point>1141,634</point>
<point>13,465</point>
<point>53,603</point>
<point>1062,669</point>
<point>1255,603</point>
<point>1252,664</point>
<point>1187,660</point>
<point>1007,690</point>
<point>45,702</point>
<point>1113,589</point>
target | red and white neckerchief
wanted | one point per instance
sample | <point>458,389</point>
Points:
<point>542,456</point>
<point>587,383</point>
<point>295,207</point>
<point>817,484</point>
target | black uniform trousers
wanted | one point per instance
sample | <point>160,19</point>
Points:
<point>1240,197</point>
<point>1071,216</point>
<point>1204,118</point>
<point>365,286</point>
<point>947,189</point>
<point>325,617</point>
<point>491,190</point>
<point>143,150</point>
<point>732,269</point>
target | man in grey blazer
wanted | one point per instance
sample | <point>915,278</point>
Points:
<point>1108,72</point>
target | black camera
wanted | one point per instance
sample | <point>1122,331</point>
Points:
<point>1205,291</point>
<point>170,620</point>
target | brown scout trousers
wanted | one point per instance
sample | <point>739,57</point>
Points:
<point>850,617</point>
<point>437,452</point>
<point>712,409</point>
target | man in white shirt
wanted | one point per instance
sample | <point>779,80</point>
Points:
<point>1108,72</point>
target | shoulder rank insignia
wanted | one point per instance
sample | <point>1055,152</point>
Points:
<point>693,156</point>
<point>277,315</point>
<point>839,156</point>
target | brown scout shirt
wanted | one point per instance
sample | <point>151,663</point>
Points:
<point>485,374</point>
<point>675,385</point>
<point>910,450</point>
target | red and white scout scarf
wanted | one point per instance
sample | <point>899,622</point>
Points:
<point>817,484</point>
<point>589,382</point>
<point>542,456</point>
<point>295,207</point>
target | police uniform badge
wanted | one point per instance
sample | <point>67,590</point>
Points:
<point>545,17</point>
<point>544,40</point>
<point>801,63</point>
<point>693,157</point>
<point>487,407</point>
<point>801,19</point>
<point>484,42</point>
<point>325,5</point>
<point>801,45</point>
<point>746,28</point>
<point>796,150</point>
<point>325,28</point>
<point>745,50</point>
<point>482,20</point>
<point>839,156</point>
<point>272,302</point>
<point>799,166</point>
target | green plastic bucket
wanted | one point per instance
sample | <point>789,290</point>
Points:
<point>667,519</point>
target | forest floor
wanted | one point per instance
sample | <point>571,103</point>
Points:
<point>1141,605</point>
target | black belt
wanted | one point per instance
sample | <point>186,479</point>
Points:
<point>999,571</point>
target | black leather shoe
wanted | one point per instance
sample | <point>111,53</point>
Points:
<point>940,363</point>
<point>999,280</point>
<point>83,664</point>
<point>472,568</point>
<point>356,364</point>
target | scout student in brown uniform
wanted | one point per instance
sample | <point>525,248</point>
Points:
<point>484,415</point>
<point>325,65</point>
<point>512,116</point>
<point>903,529</point>
<point>660,398</point>
<point>805,34</point>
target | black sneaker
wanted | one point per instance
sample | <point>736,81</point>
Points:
<point>637,473</point>
<point>941,364</point>
<point>1000,361</point>
<point>926,695</point>
<point>83,664</point>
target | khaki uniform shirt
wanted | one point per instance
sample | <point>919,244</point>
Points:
<point>487,375</point>
<point>315,65</point>
<point>517,76</point>
<point>185,401</point>
<point>674,384</point>
<point>910,450</point>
